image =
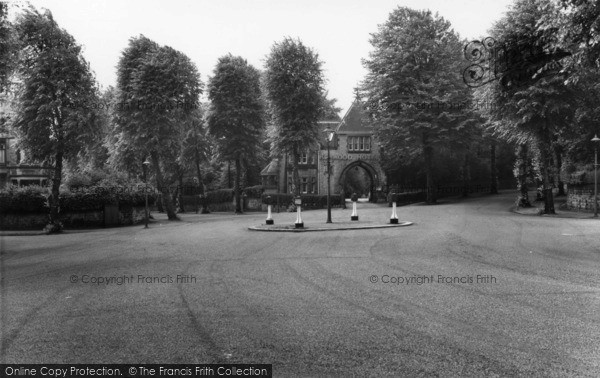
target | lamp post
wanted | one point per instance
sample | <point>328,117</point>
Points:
<point>145,164</point>
<point>329,133</point>
<point>595,139</point>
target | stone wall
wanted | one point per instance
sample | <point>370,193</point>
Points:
<point>581,198</point>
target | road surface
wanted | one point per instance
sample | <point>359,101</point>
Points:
<point>470,289</point>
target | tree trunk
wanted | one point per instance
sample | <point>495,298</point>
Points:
<point>54,225</point>
<point>159,201</point>
<point>181,206</point>
<point>237,189</point>
<point>229,175</point>
<point>428,155</point>
<point>164,189</point>
<point>466,175</point>
<point>558,161</point>
<point>547,162</point>
<point>522,159</point>
<point>493,169</point>
<point>295,174</point>
<point>201,187</point>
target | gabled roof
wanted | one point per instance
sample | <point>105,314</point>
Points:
<point>272,169</point>
<point>352,121</point>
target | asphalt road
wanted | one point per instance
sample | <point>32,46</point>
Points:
<point>308,303</point>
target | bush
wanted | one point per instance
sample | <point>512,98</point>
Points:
<point>28,199</point>
<point>95,197</point>
<point>404,198</point>
<point>77,180</point>
<point>309,201</point>
<point>284,199</point>
<point>34,199</point>
<point>219,196</point>
<point>254,191</point>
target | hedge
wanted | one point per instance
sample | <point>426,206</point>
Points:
<point>254,191</point>
<point>34,199</point>
<point>28,199</point>
<point>309,201</point>
<point>219,196</point>
<point>408,197</point>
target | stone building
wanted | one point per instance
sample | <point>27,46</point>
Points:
<point>14,168</point>
<point>354,147</point>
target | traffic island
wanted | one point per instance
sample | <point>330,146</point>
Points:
<point>327,227</point>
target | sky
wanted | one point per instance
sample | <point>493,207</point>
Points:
<point>338,30</point>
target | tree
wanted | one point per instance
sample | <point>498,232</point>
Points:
<point>56,87</point>
<point>157,90</point>
<point>294,84</point>
<point>196,150</point>
<point>413,84</point>
<point>330,111</point>
<point>236,116</point>
<point>533,103</point>
<point>6,47</point>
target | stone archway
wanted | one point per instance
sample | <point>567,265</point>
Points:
<point>371,173</point>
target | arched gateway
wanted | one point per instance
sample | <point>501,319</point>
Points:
<point>354,147</point>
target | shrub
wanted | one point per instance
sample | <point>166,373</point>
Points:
<point>28,199</point>
<point>309,201</point>
<point>404,198</point>
<point>219,196</point>
<point>254,191</point>
<point>284,198</point>
<point>34,199</point>
<point>95,197</point>
<point>77,180</point>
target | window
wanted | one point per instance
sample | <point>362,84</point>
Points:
<point>359,143</point>
<point>313,181</point>
<point>304,185</point>
<point>303,158</point>
<point>2,153</point>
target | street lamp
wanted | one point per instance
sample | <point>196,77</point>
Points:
<point>329,133</point>
<point>595,139</point>
<point>146,163</point>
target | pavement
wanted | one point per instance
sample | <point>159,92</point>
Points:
<point>470,289</point>
<point>560,209</point>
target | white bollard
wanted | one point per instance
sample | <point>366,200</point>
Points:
<point>269,217</point>
<point>394,217</point>
<point>354,215</point>
<point>299,223</point>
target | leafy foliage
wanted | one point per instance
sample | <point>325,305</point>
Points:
<point>55,80</point>
<point>416,59</point>
<point>157,90</point>
<point>294,86</point>
<point>236,117</point>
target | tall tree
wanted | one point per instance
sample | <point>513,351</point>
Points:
<point>294,83</point>
<point>196,150</point>
<point>7,45</point>
<point>412,85</point>
<point>236,116</point>
<point>56,84</point>
<point>157,89</point>
<point>532,98</point>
